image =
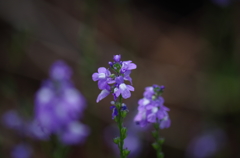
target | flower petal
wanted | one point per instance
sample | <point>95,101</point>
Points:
<point>126,94</point>
<point>102,84</point>
<point>132,66</point>
<point>131,88</point>
<point>117,92</point>
<point>95,76</point>
<point>104,93</point>
<point>102,70</point>
<point>151,118</point>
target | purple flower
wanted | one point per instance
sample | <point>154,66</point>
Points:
<point>114,111</point>
<point>74,133</point>
<point>149,92</point>
<point>113,83</point>
<point>207,144</point>
<point>117,58</point>
<point>36,131</point>
<point>122,71</point>
<point>151,108</point>
<point>127,76</point>
<point>12,120</point>
<point>142,103</point>
<point>104,93</point>
<point>21,151</point>
<point>60,71</point>
<point>124,90</point>
<point>165,122</point>
<point>141,118</point>
<point>128,65</point>
<point>57,104</point>
<point>101,77</point>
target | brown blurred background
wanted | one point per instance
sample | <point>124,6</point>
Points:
<point>191,47</point>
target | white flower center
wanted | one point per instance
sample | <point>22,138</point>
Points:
<point>145,101</point>
<point>101,75</point>
<point>123,86</point>
<point>154,110</point>
<point>45,95</point>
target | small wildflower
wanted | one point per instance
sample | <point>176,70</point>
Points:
<point>113,83</point>
<point>151,108</point>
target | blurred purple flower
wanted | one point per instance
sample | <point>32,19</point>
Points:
<point>60,71</point>
<point>35,131</point>
<point>222,3</point>
<point>21,151</point>
<point>58,104</point>
<point>11,119</point>
<point>151,108</point>
<point>207,144</point>
<point>74,133</point>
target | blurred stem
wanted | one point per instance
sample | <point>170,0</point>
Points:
<point>59,150</point>
<point>157,145</point>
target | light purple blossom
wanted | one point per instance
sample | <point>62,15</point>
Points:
<point>124,90</point>
<point>74,133</point>
<point>122,71</point>
<point>58,103</point>
<point>104,93</point>
<point>102,76</point>
<point>113,83</point>
<point>60,71</point>
<point>34,130</point>
<point>151,108</point>
<point>11,119</point>
<point>21,151</point>
<point>117,58</point>
<point>128,65</point>
<point>207,144</point>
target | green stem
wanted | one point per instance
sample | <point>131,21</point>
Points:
<point>120,126</point>
<point>158,144</point>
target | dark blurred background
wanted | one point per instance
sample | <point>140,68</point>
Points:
<point>191,47</point>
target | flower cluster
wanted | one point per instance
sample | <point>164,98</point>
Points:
<point>114,83</point>
<point>151,108</point>
<point>58,106</point>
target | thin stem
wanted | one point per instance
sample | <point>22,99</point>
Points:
<point>120,126</point>
<point>158,144</point>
